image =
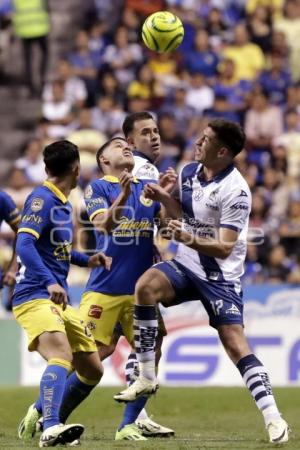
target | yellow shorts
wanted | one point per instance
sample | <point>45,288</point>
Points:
<point>41,315</point>
<point>102,312</point>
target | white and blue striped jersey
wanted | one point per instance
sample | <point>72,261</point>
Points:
<point>223,202</point>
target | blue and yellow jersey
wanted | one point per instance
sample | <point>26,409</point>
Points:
<point>8,210</point>
<point>130,243</point>
<point>47,222</point>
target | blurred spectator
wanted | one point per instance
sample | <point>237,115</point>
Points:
<point>278,267</point>
<point>216,28</point>
<point>85,63</point>
<point>248,57</point>
<point>144,84</point>
<point>18,187</point>
<point>260,27</point>
<point>221,110</point>
<point>57,109</point>
<point>233,90</point>
<point>201,58</point>
<point>290,140</point>
<point>263,123</point>
<point>74,88</point>
<point>97,40</point>
<point>107,116</point>
<point>172,142</point>
<point>32,24</point>
<point>144,7</point>
<point>164,67</point>
<point>289,230</point>
<point>289,24</point>
<point>109,86</point>
<point>276,80</point>
<point>253,268</point>
<point>176,104</point>
<point>32,163</point>
<point>122,56</point>
<point>106,11</point>
<point>279,45</point>
<point>199,95</point>
<point>274,5</point>
<point>132,21</point>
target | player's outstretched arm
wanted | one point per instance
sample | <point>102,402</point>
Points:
<point>172,208</point>
<point>82,260</point>
<point>110,218</point>
<point>217,248</point>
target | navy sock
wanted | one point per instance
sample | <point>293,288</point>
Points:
<point>52,387</point>
<point>75,392</point>
<point>132,410</point>
<point>38,405</point>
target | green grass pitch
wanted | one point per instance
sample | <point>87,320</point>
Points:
<point>203,418</point>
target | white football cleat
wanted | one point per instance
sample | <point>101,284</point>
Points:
<point>61,434</point>
<point>278,431</point>
<point>152,429</point>
<point>141,386</point>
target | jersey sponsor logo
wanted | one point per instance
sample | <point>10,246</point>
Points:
<point>63,251</point>
<point>88,192</point>
<point>212,206</point>
<point>233,310</point>
<point>95,311</point>
<point>146,201</point>
<point>95,202</point>
<point>32,218</point>
<point>243,194</point>
<point>240,205</point>
<point>37,204</point>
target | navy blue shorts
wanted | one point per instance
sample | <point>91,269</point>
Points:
<point>221,299</point>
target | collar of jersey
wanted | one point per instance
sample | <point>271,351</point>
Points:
<point>55,191</point>
<point>113,179</point>
<point>217,178</point>
<point>141,155</point>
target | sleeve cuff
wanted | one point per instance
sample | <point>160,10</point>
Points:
<point>99,211</point>
<point>30,231</point>
<point>230,227</point>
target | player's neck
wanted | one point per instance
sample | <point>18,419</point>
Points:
<point>63,185</point>
<point>117,172</point>
<point>211,172</point>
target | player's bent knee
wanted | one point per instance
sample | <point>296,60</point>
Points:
<point>150,288</point>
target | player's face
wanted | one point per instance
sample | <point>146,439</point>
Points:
<point>145,138</point>
<point>75,175</point>
<point>119,155</point>
<point>207,147</point>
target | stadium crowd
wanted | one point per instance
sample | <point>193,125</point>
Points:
<point>239,60</point>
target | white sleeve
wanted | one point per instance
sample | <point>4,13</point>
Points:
<point>146,171</point>
<point>235,209</point>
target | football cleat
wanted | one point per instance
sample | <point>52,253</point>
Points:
<point>27,427</point>
<point>152,429</point>
<point>60,434</point>
<point>141,386</point>
<point>75,443</point>
<point>129,433</point>
<point>278,431</point>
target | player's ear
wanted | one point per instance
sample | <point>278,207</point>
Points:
<point>129,140</point>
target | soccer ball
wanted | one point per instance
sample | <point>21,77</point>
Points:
<point>162,32</point>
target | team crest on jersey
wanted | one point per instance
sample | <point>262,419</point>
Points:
<point>145,201</point>
<point>88,192</point>
<point>213,195</point>
<point>37,204</point>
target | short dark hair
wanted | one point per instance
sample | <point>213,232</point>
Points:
<point>60,156</point>
<point>231,134</point>
<point>130,120</point>
<point>104,146</point>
